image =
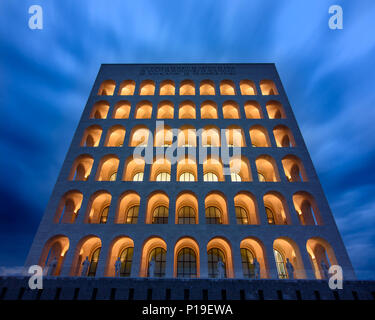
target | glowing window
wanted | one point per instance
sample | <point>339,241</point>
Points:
<point>159,255</point>
<point>132,215</point>
<point>213,215</point>
<point>138,176</point>
<point>104,215</point>
<point>235,177</point>
<point>210,177</point>
<point>215,255</point>
<point>280,264</point>
<point>241,215</point>
<point>186,177</point>
<point>93,263</point>
<point>160,215</point>
<point>270,216</point>
<point>186,263</point>
<point>186,215</point>
<point>163,176</point>
<point>126,258</point>
<point>247,258</point>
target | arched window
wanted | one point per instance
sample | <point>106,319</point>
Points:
<point>213,215</point>
<point>261,177</point>
<point>241,215</point>
<point>186,263</point>
<point>160,215</point>
<point>270,216</point>
<point>147,88</point>
<point>126,258</point>
<point>207,87</point>
<point>210,177</point>
<point>104,215</point>
<point>235,177</point>
<point>280,264</point>
<point>186,177</point>
<point>268,87</point>
<point>159,257</point>
<point>132,215</point>
<point>93,262</point>
<point>113,176</point>
<point>247,258</point>
<point>186,215</point>
<point>127,88</point>
<point>163,176</point>
<point>215,255</point>
<point>138,177</point>
<point>107,88</point>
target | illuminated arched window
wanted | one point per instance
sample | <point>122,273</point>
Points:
<point>215,255</point>
<point>213,215</point>
<point>186,177</point>
<point>132,215</point>
<point>186,215</point>
<point>163,176</point>
<point>147,88</point>
<point>93,262</point>
<point>113,176</point>
<point>127,88</point>
<point>280,264</point>
<point>210,177</point>
<point>186,263</point>
<point>207,87</point>
<point>241,215</point>
<point>167,88</point>
<point>159,257</point>
<point>104,215</point>
<point>247,258</point>
<point>261,177</point>
<point>126,258</point>
<point>270,216</point>
<point>138,177</point>
<point>268,87</point>
<point>107,88</point>
<point>235,177</point>
<point>160,215</point>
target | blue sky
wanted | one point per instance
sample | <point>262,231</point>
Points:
<point>46,77</point>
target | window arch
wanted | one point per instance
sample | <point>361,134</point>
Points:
<point>128,208</point>
<point>259,136</point>
<point>210,177</point>
<point>240,169</point>
<point>163,176</point>
<point>139,136</point>
<point>121,247</point>
<point>219,249</point>
<point>231,110</point>
<point>307,209</point>
<point>276,208</point>
<point>187,88</point>
<point>210,136</point>
<point>251,249</point>
<point>207,87</point>
<point>253,110</point>
<point>227,87</point>
<point>68,208</point>
<point>293,168</point>
<point>186,177</point>
<point>97,210</point>
<point>94,259</point>
<point>134,168</point>
<point>107,88</point>
<point>165,110</point>
<point>215,255</point>
<point>235,136</point>
<point>121,110</point>
<point>186,110</point>
<point>157,208</point>
<point>186,253</point>
<point>100,110</point>
<point>186,215</point>
<point>163,136</point>
<point>280,264</point>
<point>160,215</point>
<point>213,215</point>
<point>189,166</point>
<point>91,136</point>
<point>216,208</point>
<point>186,136</point>
<point>81,168</point>
<point>186,208</point>
<point>209,110</point>
<point>275,110</point>
<point>107,168</point>
<point>167,88</point>
<point>268,87</point>
<point>115,136</point>
<point>283,137</point>
<point>147,88</point>
<point>127,88</point>
<point>267,169</point>
<point>247,88</point>
<point>143,110</point>
<point>213,167</point>
<point>247,259</point>
<point>160,170</point>
<point>89,247</point>
<point>247,212</point>
<point>126,257</point>
<point>158,255</point>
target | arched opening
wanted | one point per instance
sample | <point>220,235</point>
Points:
<point>86,257</point>
<point>235,137</point>
<point>321,256</point>
<point>240,169</point>
<point>276,208</point>
<point>186,261</point>
<point>210,137</point>
<point>186,208</point>
<point>98,208</point>
<point>209,110</point>
<point>187,170</point>
<point>167,88</point>
<point>293,168</point>
<point>165,110</point>
<point>252,248</point>
<point>100,110</point>
<point>107,170</point>
<point>163,136</point>
<point>153,260</point>
<point>186,110</point>
<point>147,88</point>
<point>307,209</point>
<point>186,136</point>
<point>213,169</point>
<point>143,110</point>
<point>207,88</point>
<point>121,247</point>
<point>275,110</point>
<point>231,110</point>
<point>121,110</point>
<point>160,170</point>
<point>127,88</point>
<point>283,137</point>
<point>81,168</point>
<point>267,169</point>
<point>259,137</point>
<point>128,208</point>
<point>53,254</point>
<point>216,208</point>
<point>157,208</point>
<point>115,136</point>
<point>134,169</point>
<point>107,88</point>
<point>227,88</point>
<point>248,88</point>
<point>268,87</point>
<point>68,208</point>
<point>139,136</point>
<point>288,259</point>
<point>91,136</point>
<point>219,251</point>
<point>246,208</point>
<point>187,88</point>
<point>253,110</point>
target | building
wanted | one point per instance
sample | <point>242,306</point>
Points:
<point>224,177</point>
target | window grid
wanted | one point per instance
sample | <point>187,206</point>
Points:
<point>163,176</point>
<point>132,215</point>
<point>215,255</point>
<point>210,177</point>
<point>160,215</point>
<point>186,215</point>
<point>186,263</point>
<point>186,177</point>
<point>213,215</point>
<point>159,256</point>
<point>126,258</point>
<point>247,258</point>
<point>241,215</point>
<point>93,263</point>
<point>138,177</point>
<point>280,264</point>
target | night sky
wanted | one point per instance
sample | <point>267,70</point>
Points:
<point>46,76</point>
